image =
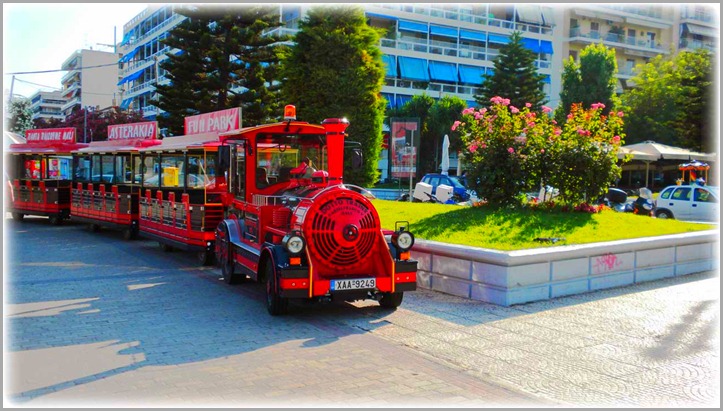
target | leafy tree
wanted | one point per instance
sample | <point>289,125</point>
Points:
<point>589,82</point>
<point>21,118</point>
<point>335,69</point>
<point>515,77</point>
<point>95,122</point>
<point>225,61</point>
<point>672,101</point>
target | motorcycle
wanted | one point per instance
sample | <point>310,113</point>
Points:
<point>617,200</point>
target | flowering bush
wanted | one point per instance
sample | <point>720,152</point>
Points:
<point>512,150</point>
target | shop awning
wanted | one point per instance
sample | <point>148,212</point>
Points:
<point>473,35</point>
<point>530,13</point>
<point>443,31</point>
<point>531,44</point>
<point>412,26</point>
<point>413,68</point>
<point>546,47</point>
<point>391,65</point>
<point>442,71</point>
<point>132,77</point>
<point>497,38</point>
<point>471,74</point>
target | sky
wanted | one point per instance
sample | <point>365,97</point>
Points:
<point>38,37</point>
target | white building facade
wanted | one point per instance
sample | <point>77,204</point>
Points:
<point>47,105</point>
<point>90,81</point>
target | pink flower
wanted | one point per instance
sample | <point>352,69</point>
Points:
<point>514,110</point>
<point>616,140</point>
<point>530,124</point>
<point>583,132</point>
<point>483,110</point>
<point>455,125</point>
<point>468,111</point>
<point>569,116</point>
<point>596,106</point>
<point>542,151</point>
<point>557,131</point>
<point>478,116</point>
<point>483,145</point>
<point>511,150</point>
<point>554,122</point>
<point>528,105</point>
<point>620,114</point>
<point>546,109</point>
<point>473,147</point>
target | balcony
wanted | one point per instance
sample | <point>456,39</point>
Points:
<point>395,85</point>
<point>618,41</point>
<point>69,76</point>
<point>690,44</point>
<point>72,102</point>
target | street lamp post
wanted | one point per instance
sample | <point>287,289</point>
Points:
<point>411,159</point>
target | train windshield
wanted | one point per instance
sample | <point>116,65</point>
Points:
<point>278,154</point>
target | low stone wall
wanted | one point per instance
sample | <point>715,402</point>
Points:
<point>516,277</point>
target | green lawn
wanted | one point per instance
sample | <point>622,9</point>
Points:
<point>515,230</point>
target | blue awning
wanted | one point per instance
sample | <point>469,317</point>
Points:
<point>391,63</point>
<point>442,71</point>
<point>473,35</point>
<point>412,26</point>
<point>443,31</point>
<point>531,44</point>
<point>126,38</point>
<point>472,103</point>
<point>127,102</point>
<point>381,16</point>
<point>413,69</point>
<point>129,56</point>
<point>402,100</point>
<point>132,77</point>
<point>471,74</point>
<point>390,99</point>
<point>546,47</point>
<point>546,80</point>
<point>498,38</point>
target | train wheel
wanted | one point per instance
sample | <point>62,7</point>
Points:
<point>55,220</point>
<point>391,300</point>
<point>224,258</point>
<point>205,257</point>
<point>18,216</point>
<point>129,234</point>
<point>275,304</point>
<point>165,247</point>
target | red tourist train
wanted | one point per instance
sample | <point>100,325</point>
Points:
<point>250,199</point>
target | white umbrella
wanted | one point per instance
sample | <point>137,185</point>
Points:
<point>445,155</point>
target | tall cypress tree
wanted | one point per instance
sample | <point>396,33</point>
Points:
<point>515,77</point>
<point>226,61</point>
<point>335,69</point>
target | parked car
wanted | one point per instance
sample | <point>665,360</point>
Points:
<point>435,180</point>
<point>689,202</point>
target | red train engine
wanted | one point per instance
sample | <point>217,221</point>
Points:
<point>299,229</point>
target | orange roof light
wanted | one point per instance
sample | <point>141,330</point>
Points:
<point>289,112</point>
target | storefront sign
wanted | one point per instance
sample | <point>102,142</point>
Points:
<point>134,131</point>
<point>50,135</point>
<point>219,121</point>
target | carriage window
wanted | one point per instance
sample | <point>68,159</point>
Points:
<point>81,168</point>
<point>33,167</point>
<point>201,170</point>
<point>58,167</point>
<point>150,169</point>
<point>172,170</point>
<point>277,155</point>
<point>123,171</point>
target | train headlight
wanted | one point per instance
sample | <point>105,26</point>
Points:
<point>294,242</point>
<point>404,240</point>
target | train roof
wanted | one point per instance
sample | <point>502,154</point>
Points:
<point>185,142</point>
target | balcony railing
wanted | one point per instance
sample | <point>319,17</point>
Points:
<point>698,44</point>
<point>166,25</point>
<point>618,39</point>
<point>431,86</point>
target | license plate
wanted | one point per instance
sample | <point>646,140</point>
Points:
<point>353,284</point>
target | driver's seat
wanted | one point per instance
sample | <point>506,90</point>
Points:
<point>262,179</point>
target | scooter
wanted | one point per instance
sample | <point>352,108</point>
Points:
<point>618,200</point>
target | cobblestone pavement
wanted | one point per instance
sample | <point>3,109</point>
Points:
<point>92,320</point>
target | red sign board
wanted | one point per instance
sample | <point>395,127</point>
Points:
<point>50,135</point>
<point>134,131</point>
<point>219,121</point>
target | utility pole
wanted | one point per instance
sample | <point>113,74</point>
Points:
<point>412,156</point>
<point>85,124</point>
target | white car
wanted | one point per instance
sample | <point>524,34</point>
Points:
<point>689,202</point>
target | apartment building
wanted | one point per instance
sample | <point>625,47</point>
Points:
<point>449,49</point>
<point>90,81</point>
<point>47,105</point>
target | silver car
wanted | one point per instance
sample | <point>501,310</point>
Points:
<point>689,202</point>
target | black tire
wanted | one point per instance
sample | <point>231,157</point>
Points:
<point>18,216</point>
<point>55,220</point>
<point>205,257</point>
<point>664,214</point>
<point>165,247</point>
<point>225,260</point>
<point>391,300</point>
<point>129,234</point>
<point>275,304</point>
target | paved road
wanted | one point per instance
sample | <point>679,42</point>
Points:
<point>92,320</point>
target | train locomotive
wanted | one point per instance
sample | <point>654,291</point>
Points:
<point>301,230</point>
<point>265,203</point>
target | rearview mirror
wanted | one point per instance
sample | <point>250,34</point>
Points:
<point>357,159</point>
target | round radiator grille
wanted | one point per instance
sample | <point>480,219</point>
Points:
<point>343,233</point>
